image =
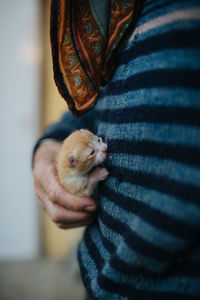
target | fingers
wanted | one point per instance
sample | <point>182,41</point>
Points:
<point>66,226</point>
<point>63,217</point>
<point>59,214</point>
<point>58,195</point>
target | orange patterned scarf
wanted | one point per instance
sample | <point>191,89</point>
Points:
<point>83,59</point>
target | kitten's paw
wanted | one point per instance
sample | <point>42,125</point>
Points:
<point>101,173</point>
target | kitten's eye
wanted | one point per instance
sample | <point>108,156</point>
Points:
<point>100,140</point>
<point>92,153</point>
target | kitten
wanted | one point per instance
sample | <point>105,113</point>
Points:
<point>77,162</point>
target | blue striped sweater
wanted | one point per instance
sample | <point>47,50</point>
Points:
<point>145,243</point>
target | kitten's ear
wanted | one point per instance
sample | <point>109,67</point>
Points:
<point>72,160</point>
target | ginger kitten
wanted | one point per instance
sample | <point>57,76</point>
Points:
<point>77,162</point>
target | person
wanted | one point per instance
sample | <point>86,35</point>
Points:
<point>142,236</point>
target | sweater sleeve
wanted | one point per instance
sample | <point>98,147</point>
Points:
<point>67,124</point>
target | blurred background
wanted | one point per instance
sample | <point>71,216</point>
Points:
<point>37,260</point>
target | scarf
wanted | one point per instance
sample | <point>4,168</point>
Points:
<point>86,36</point>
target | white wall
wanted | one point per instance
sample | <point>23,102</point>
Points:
<point>20,61</point>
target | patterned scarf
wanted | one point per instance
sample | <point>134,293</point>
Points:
<point>83,52</point>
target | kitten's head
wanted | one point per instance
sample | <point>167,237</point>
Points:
<point>83,150</point>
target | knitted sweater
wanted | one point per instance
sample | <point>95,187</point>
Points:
<point>145,243</point>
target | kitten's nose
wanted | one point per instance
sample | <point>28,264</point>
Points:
<point>104,149</point>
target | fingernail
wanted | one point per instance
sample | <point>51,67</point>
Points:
<point>90,208</point>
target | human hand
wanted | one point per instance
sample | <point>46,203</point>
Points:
<point>64,209</point>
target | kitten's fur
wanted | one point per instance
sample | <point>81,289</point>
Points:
<point>76,163</point>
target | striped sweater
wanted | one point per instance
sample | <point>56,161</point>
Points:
<point>145,243</point>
